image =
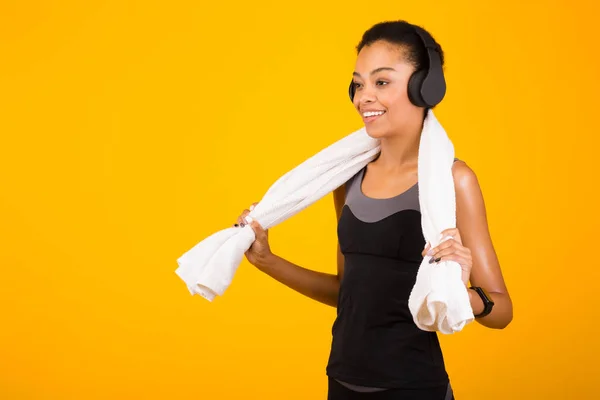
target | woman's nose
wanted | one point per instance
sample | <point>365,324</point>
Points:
<point>367,95</point>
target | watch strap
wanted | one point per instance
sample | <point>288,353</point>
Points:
<point>488,303</point>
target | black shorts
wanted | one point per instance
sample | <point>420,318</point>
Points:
<point>337,391</point>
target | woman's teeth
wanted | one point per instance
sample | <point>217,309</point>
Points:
<point>372,113</point>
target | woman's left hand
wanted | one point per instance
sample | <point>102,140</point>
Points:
<point>452,249</point>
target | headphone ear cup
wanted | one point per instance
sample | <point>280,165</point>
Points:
<point>415,83</point>
<point>351,91</point>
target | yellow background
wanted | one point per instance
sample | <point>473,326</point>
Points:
<point>132,130</point>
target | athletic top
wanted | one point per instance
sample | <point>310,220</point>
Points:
<point>375,342</point>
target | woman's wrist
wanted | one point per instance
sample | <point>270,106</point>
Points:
<point>266,262</point>
<point>476,302</point>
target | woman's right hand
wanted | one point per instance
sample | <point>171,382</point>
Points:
<point>259,252</point>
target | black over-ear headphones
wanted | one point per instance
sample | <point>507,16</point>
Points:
<point>426,87</point>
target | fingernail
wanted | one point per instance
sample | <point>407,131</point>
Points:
<point>438,259</point>
<point>430,252</point>
<point>248,219</point>
<point>431,260</point>
<point>236,225</point>
<point>242,225</point>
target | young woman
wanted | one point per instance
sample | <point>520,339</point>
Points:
<point>377,351</point>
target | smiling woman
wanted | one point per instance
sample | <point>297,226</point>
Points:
<point>377,351</point>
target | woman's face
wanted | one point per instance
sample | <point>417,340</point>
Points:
<point>381,78</point>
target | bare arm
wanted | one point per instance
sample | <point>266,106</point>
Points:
<point>318,286</point>
<point>472,224</point>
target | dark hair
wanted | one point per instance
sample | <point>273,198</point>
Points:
<point>401,33</point>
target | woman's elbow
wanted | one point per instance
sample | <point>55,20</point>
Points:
<point>505,321</point>
<point>505,317</point>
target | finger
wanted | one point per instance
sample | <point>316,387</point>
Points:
<point>445,252</point>
<point>246,212</point>
<point>460,252</point>
<point>261,234</point>
<point>240,219</point>
<point>258,235</point>
<point>255,229</point>
<point>442,246</point>
<point>452,232</point>
<point>453,257</point>
<point>463,253</point>
<point>426,249</point>
<point>454,247</point>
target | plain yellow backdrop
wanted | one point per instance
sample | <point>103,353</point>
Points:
<point>131,130</point>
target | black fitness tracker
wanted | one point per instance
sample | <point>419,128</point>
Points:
<point>488,304</point>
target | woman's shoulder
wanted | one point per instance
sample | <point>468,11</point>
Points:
<point>465,179</point>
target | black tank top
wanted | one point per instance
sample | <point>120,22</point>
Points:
<point>375,342</point>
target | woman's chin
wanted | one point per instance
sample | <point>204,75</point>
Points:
<point>375,133</point>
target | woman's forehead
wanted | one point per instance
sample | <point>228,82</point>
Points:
<point>380,54</point>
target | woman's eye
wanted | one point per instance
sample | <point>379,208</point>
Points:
<point>381,82</point>
<point>356,85</point>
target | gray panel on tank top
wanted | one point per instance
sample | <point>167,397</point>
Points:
<point>369,209</point>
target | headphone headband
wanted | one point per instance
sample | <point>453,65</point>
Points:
<point>426,38</point>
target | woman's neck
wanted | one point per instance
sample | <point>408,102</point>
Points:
<point>400,150</point>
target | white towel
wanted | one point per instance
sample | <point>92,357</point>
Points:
<point>439,300</point>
